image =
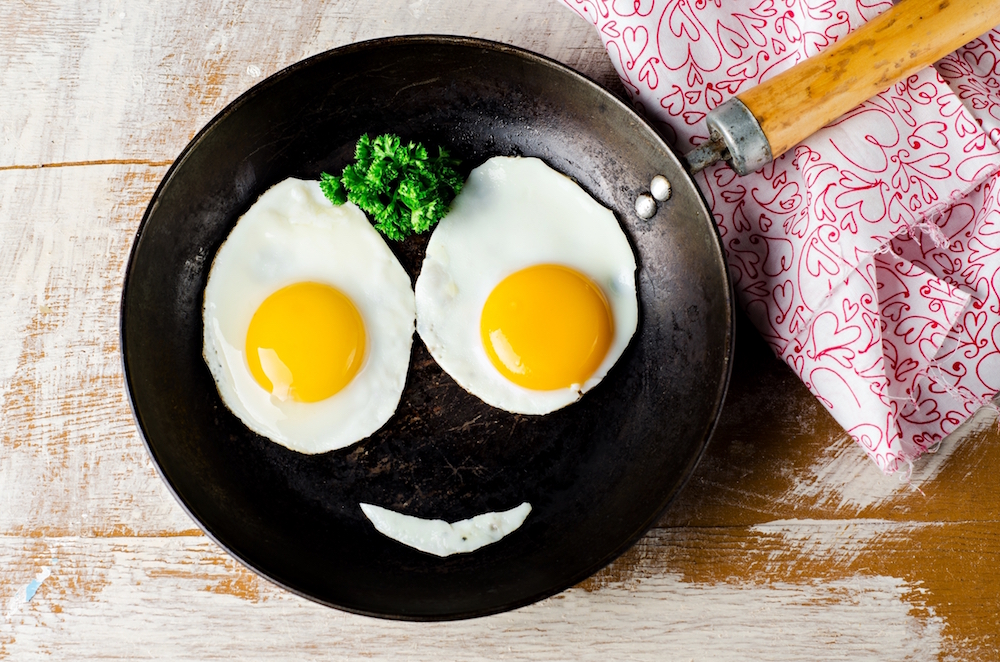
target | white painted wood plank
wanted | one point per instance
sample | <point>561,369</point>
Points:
<point>112,79</point>
<point>179,599</point>
<point>71,461</point>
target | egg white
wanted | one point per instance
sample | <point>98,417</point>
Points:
<point>442,538</point>
<point>292,234</point>
<point>514,213</point>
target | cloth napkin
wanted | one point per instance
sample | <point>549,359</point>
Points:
<point>868,256</point>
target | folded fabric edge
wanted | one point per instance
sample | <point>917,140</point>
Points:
<point>867,363</point>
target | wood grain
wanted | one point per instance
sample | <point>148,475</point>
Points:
<point>894,45</point>
<point>181,599</point>
<point>787,544</point>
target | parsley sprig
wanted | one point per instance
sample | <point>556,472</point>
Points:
<point>402,187</point>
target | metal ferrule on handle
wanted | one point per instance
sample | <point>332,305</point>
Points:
<point>735,137</point>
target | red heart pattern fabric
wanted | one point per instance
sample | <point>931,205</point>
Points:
<point>868,256</point>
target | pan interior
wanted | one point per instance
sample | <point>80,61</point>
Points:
<point>597,473</point>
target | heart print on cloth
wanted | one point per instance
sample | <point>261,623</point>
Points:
<point>868,256</point>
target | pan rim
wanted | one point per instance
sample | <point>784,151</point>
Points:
<point>260,88</point>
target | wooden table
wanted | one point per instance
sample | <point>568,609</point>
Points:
<point>787,544</point>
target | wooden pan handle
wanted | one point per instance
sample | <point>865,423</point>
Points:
<point>763,122</point>
<point>899,42</point>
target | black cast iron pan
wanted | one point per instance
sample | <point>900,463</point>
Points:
<point>597,473</point>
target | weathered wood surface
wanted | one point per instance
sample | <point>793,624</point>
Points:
<point>788,544</point>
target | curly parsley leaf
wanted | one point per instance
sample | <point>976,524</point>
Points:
<point>401,186</point>
<point>332,189</point>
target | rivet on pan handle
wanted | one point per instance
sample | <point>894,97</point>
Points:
<point>755,127</point>
<point>660,190</point>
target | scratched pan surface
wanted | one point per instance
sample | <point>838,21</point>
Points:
<point>597,473</point>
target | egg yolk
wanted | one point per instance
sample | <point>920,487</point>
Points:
<point>546,327</point>
<point>305,342</point>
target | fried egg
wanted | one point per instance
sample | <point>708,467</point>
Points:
<point>527,294</point>
<point>308,321</point>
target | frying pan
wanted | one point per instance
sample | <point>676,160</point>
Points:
<point>597,473</point>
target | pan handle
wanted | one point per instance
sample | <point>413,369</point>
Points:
<point>755,127</point>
